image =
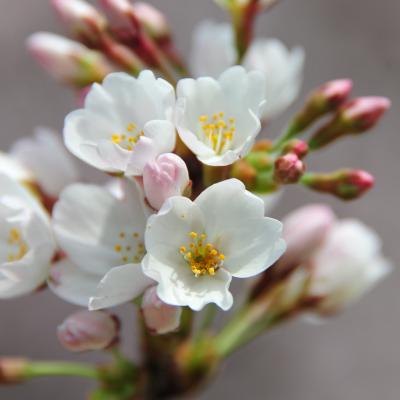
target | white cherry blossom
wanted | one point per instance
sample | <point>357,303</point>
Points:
<point>103,238</point>
<point>125,122</point>
<point>47,159</point>
<point>26,241</point>
<point>219,119</point>
<point>194,248</point>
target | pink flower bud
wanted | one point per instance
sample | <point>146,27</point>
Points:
<point>12,370</point>
<point>152,19</point>
<point>334,93</point>
<point>88,330</point>
<point>159,317</point>
<point>304,230</point>
<point>68,61</point>
<point>364,112</point>
<point>165,177</point>
<point>347,184</point>
<point>296,146</point>
<point>81,18</point>
<point>288,169</point>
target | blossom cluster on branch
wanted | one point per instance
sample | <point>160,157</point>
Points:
<point>183,209</point>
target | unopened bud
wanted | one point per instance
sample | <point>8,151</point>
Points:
<point>152,19</point>
<point>165,177</point>
<point>83,20</point>
<point>67,60</point>
<point>296,146</point>
<point>288,169</point>
<point>354,117</point>
<point>12,370</point>
<point>347,184</point>
<point>160,318</point>
<point>88,330</point>
<point>325,99</point>
<point>245,172</point>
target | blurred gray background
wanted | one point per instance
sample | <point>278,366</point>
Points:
<point>354,356</point>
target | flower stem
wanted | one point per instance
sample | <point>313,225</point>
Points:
<point>37,369</point>
<point>213,175</point>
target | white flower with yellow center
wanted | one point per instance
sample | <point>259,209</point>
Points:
<point>219,119</point>
<point>125,122</point>
<point>26,241</point>
<point>103,238</point>
<point>213,51</point>
<point>194,248</point>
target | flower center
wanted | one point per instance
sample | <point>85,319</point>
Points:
<point>203,258</point>
<point>128,139</point>
<point>216,132</point>
<point>18,246</point>
<point>130,247</point>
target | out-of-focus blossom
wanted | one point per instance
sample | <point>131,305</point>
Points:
<point>103,238</point>
<point>160,318</point>
<point>68,61</point>
<point>213,51</point>
<point>47,159</point>
<point>165,177</point>
<point>219,119</point>
<point>348,263</point>
<point>26,241</point>
<point>195,248</point>
<point>111,134</point>
<point>88,330</point>
<point>14,169</point>
<point>153,20</point>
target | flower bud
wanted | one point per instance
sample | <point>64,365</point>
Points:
<point>296,146</point>
<point>288,169</point>
<point>152,19</point>
<point>160,318</point>
<point>165,177</point>
<point>12,370</point>
<point>325,99</point>
<point>68,61</point>
<point>239,4</point>
<point>345,267</point>
<point>354,117</point>
<point>81,18</point>
<point>347,184</point>
<point>304,230</point>
<point>88,330</point>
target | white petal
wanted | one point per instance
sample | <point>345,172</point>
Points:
<point>213,49</point>
<point>120,285</point>
<point>71,283</point>
<point>178,286</point>
<point>46,156</point>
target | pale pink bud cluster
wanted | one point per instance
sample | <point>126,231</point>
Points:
<point>88,330</point>
<point>68,61</point>
<point>160,318</point>
<point>152,19</point>
<point>165,177</point>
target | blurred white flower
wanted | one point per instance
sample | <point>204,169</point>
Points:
<point>26,241</point>
<point>213,51</point>
<point>195,248</point>
<point>47,159</point>
<point>219,119</point>
<point>283,72</point>
<point>348,263</point>
<point>102,235</point>
<point>14,169</point>
<point>160,318</point>
<point>125,123</point>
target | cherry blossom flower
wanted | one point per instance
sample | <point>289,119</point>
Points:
<point>26,241</point>
<point>125,122</point>
<point>219,119</point>
<point>195,248</point>
<point>103,238</point>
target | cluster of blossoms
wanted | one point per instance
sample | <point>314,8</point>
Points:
<point>183,208</point>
